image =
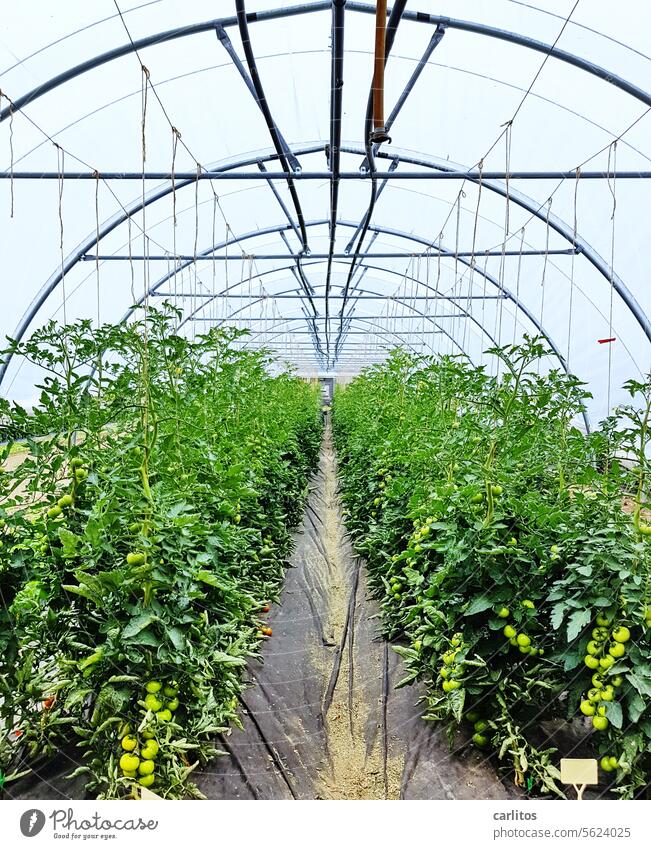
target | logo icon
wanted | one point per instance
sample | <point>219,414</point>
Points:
<point>32,822</point>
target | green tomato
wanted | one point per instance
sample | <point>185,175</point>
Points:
<point>480,725</point>
<point>503,613</point>
<point>172,704</point>
<point>136,558</point>
<point>592,647</point>
<point>496,489</point>
<point>472,716</point>
<point>603,621</point>
<point>450,685</point>
<point>614,763</point>
<point>621,634</point>
<point>591,662</point>
<point>606,662</point>
<point>523,640</point>
<point>54,512</point>
<point>146,767</point>
<point>480,740</point>
<point>594,694</point>
<point>65,501</point>
<point>150,751</point>
<point>153,686</point>
<point>617,650</point>
<point>129,743</point>
<point>147,780</point>
<point>617,680</point>
<point>164,715</point>
<point>604,763</point>
<point>528,604</point>
<point>587,708</point>
<point>607,695</point>
<point>600,723</point>
<point>152,702</point>
<point>509,632</point>
<point>129,763</point>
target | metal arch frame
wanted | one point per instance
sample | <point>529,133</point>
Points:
<point>373,228</point>
<point>323,5</point>
<point>208,299</point>
<point>157,194</point>
<point>413,309</point>
<point>384,334</point>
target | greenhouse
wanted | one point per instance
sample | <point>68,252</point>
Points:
<point>325,400</point>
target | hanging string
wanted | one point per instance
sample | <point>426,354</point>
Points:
<point>214,264</point>
<point>544,269</point>
<point>60,170</point>
<point>11,151</point>
<point>176,135</point>
<point>457,283</point>
<point>143,140</point>
<point>195,247</point>
<point>612,151</point>
<point>97,237</point>
<point>473,258</point>
<point>571,303</point>
<point>517,285</point>
<point>507,229</point>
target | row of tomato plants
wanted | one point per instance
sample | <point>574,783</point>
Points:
<point>141,545</point>
<point>511,555</point>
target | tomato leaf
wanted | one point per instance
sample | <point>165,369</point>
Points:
<point>577,622</point>
<point>478,605</point>
<point>137,624</point>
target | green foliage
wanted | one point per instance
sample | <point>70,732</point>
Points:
<point>142,539</point>
<point>473,495</point>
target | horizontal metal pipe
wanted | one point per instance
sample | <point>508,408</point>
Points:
<point>418,317</point>
<point>369,333</point>
<point>433,251</point>
<point>326,175</point>
<point>255,296</point>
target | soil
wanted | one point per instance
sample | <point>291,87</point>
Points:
<point>353,772</point>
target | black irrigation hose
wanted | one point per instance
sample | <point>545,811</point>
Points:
<point>273,131</point>
<point>336,105</point>
<point>392,26</point>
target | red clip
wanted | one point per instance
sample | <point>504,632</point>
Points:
<point>603,341</point>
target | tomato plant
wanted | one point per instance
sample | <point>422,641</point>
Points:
<point>509,551</point>
<point>141,536</point>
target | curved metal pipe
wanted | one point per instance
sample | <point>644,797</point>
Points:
<point>307,8</point>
